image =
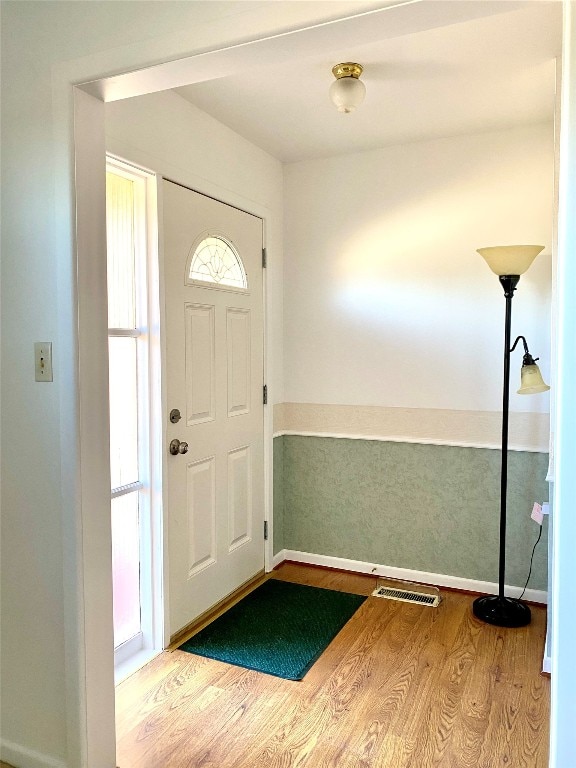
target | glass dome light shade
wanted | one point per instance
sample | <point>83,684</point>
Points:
<point>347,93</point>
<point>510,259</point>
<point>531,381</point>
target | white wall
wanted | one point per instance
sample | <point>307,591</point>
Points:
<point>41,701</point>
<point>386,301</point>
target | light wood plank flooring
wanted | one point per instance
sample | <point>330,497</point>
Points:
<point>401,686</point>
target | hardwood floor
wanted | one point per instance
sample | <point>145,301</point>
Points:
<point>401,686</point>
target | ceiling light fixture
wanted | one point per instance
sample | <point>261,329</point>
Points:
<point>348,91</point>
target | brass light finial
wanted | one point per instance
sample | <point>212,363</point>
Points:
<point>347,69</point>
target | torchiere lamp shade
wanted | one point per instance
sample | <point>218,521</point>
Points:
<point>510,259</point>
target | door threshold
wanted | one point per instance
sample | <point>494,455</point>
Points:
<point>212,613</point>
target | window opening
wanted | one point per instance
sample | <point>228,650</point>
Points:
<point>124,320</point>
<point>215,260</point>
<point>134,412</point>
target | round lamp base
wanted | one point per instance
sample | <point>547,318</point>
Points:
<point>502,611</point>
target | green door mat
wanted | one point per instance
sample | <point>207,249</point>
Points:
<point>280,628</point>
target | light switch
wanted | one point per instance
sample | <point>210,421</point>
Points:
<point>43,360</point>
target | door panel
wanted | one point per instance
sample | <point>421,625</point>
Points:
<point>200,363</point>
<point>214,364</point>
<point>238,340</point>
<point>201,506</point>
<point>239,497</point>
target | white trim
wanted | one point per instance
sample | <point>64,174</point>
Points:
<point>563,626</point>
<point>15,754</point>
<point>405,439</point>
<point>128,648</point>
<point>407,574</point>
<point>278,559</point>
<point>127,168</point>
<point>130,333</point>
<point>136,661</point>
<point>122,490</point>
<point>160,487</point>
<point>268,416</point>
<point>90,669</point>
<point>149,406</point>
<point>547,665</point>
<point>157,632</point>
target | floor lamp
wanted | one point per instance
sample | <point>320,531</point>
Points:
<point>509,262</point>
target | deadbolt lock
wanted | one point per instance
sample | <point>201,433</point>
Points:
<point>175,416</point>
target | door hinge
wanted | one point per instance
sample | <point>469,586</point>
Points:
<point>264,258</point>
<point>265,394</point>
<point>265,530</point>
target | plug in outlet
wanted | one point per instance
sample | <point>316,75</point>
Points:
<point>43,360</point>
<point>537,513</point>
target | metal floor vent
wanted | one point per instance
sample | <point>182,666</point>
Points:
<point>421,598</point>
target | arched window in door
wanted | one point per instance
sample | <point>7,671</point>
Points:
<point>215,260</point>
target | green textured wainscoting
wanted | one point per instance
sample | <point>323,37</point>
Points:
<point>423,507</point>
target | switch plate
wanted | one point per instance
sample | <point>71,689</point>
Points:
<point>43,360</point>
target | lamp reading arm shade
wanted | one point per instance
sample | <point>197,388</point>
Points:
<point>510,259</point>
<point>531,381</point>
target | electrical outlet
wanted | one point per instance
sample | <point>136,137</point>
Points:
<point>43,360</point>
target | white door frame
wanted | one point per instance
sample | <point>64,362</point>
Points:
<point>563,700</point>
<point>79,151</point>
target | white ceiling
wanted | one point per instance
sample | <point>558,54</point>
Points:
<point>477,75</point>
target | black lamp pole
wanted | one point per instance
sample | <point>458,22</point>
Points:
<point>498,609</point>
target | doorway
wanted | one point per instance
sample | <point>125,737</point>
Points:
<point>208,356</point>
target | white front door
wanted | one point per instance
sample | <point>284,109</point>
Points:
<point>214,370</point>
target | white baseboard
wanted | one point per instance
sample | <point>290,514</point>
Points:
<point>278,558</point>
<point>16,754</point>
<point>422,577</point>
